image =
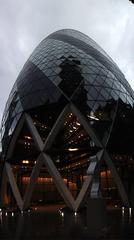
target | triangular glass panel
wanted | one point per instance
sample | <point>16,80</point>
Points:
<point>57,80</point>
<point>7,130</point>
<point>22,173</point>
<point>89,78</point>
<point>48,72</point>
<point>129,100</point>
<point>116,85</point>
<point>44,117</point>
<point>87,86</point>
<point>99,80</point>
<point>45,191</point>
<point>94,68</point>
<point>105,93</point>
<point>90,98</point>
<point>93,92</point>
<point>101,116</point>
<point>103,71</point>
<point>24,152</point>
<point>100,98</point>
<point>110,82</point>
<point>100,113</point>
<point>9,198</point>
<point>108,187</point>
<point>52,77</point>
<point>123,97</point>
<point>110,75</point>
<point>91,103</point>
<point>122,138</point>
<point>115,94</point>
<point>57,69</point>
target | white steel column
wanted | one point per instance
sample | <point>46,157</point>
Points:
<point>13,185</point>
<point>32,182</point>
<point>56,128</point>
<point>91,172</point>
<point>15,136</point>
<point>65,193</point>
<point>86,126</point>
<point>33,130</point>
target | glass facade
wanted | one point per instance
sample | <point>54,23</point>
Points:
<point>66,68</point>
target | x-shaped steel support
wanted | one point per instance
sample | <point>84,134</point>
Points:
<point>45,159</point>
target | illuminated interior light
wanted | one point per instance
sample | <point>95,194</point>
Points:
<point>130,211</point>
<point>58,160</point>
<point>27,137</point>
<point>73,149</point>
<point>77,123</point>
<point>93,117</point>
<point>25,161</point>
<point>123,210</point>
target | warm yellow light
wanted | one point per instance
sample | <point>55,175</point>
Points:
<point>27,137</point>
<point>106,173</point>
<point>73,149</point>
<point>25,161</point>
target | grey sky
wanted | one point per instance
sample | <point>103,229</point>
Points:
<point>24,23</point>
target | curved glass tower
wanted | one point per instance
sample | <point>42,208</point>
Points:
<point>67,130</point>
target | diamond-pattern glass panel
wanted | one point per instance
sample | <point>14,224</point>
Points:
<point>66,66</point>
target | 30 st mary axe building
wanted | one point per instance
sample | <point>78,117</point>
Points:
<point>67,131</point>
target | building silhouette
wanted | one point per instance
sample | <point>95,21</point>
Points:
<point>67,131</point>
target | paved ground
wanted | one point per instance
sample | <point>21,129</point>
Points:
<point>52,222</point>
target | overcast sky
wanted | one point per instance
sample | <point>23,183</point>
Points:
<point>24,23</point>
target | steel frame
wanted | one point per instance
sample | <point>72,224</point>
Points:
<point>45,159</point>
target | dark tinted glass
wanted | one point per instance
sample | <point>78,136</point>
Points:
<point>68,66</point>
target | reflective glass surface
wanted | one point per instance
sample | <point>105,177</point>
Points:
<point>68,66</point>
